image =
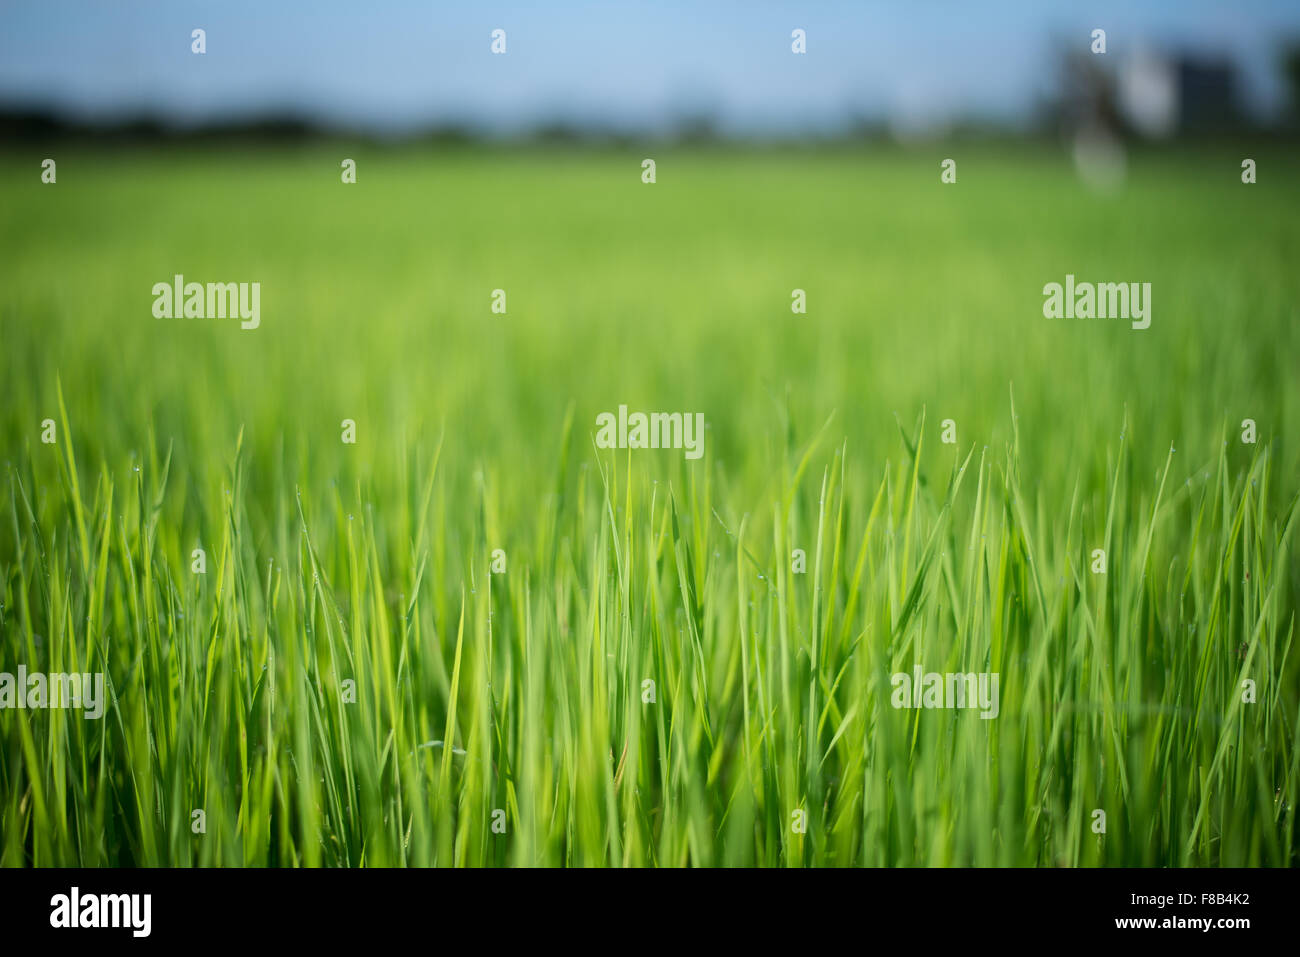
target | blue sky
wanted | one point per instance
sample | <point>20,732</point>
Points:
<point>633,66</point>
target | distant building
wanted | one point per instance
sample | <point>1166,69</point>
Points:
<point>1148,94</point>
<point>1162,95</point>
<point>1208,96</point>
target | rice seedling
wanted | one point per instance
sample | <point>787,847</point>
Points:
<point>474,636</point>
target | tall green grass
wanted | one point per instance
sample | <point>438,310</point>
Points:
<point>523,691</point>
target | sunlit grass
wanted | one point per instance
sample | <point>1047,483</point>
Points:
<point>523,691</point>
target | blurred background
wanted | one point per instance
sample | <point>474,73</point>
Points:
<point>671,69</point>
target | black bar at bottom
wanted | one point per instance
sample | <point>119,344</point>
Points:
<point>335,907</point>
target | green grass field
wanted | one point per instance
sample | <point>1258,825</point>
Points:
<point>371,562</point>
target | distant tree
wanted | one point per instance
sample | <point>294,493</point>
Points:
<point>1291,70</point>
